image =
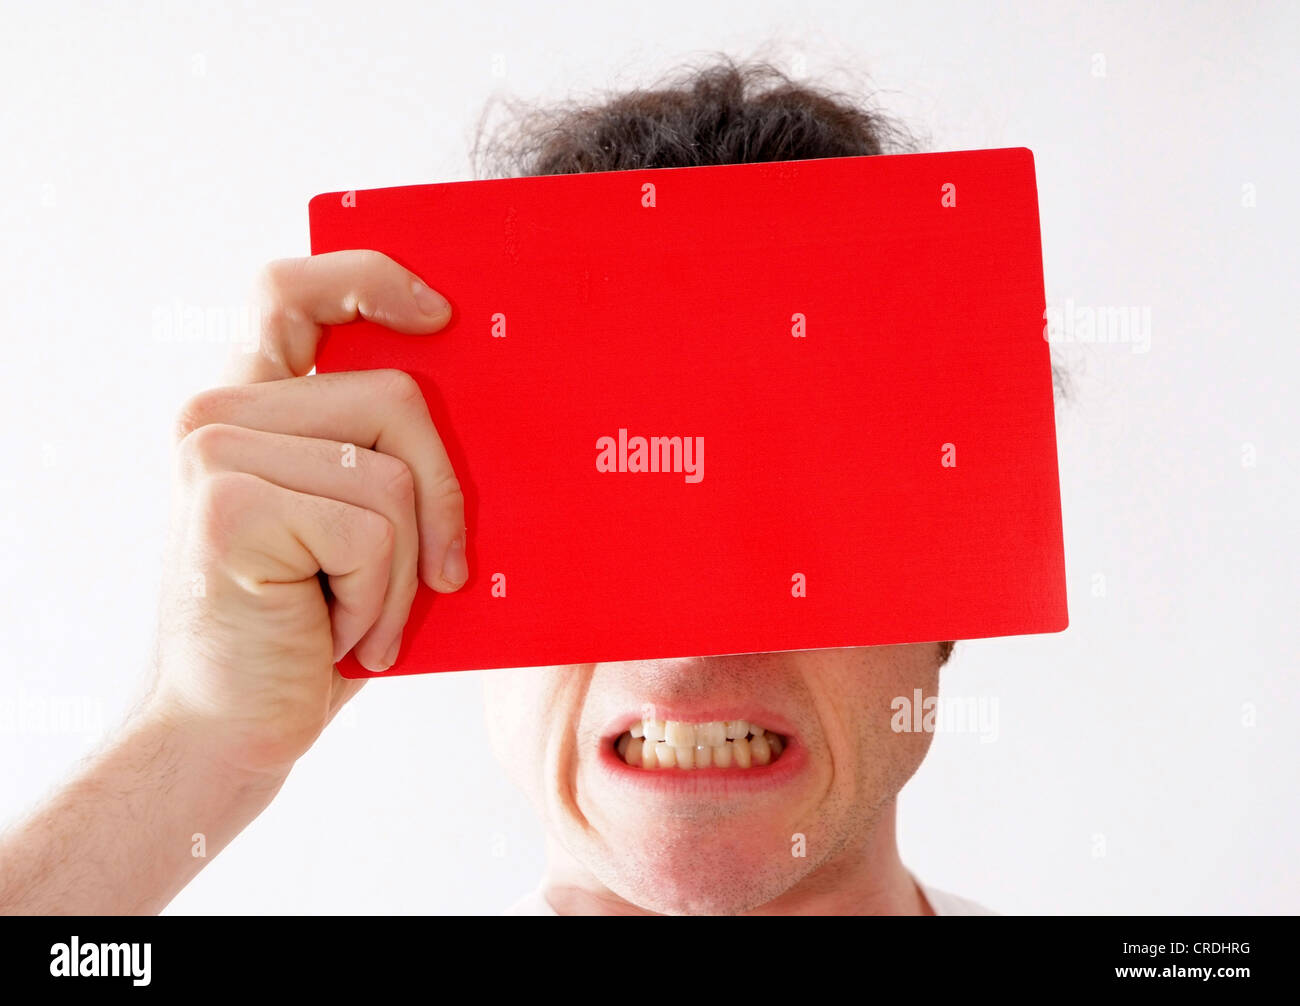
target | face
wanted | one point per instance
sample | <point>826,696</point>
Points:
<point>707,834</point>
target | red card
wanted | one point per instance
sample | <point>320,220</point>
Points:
<point>728,409</point>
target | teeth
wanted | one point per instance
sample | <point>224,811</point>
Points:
<point>663,744</point>
<point>711,734</point>
<point>679,735</point>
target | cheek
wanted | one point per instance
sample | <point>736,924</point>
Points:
<point>910,674</point>
<point>859,705</point>
<point>894,756</point>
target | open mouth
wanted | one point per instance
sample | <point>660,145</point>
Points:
<point>675,744</point>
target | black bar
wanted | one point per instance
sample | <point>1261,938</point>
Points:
<point>334,954</point>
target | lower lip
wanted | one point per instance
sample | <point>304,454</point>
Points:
<point>709,782</point>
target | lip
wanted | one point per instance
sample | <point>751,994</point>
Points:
<point>711,783</point>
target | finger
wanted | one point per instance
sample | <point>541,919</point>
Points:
<point>265,534</point>
<point>382,410</point>
<point>342,472</point>
<point>296,296</point>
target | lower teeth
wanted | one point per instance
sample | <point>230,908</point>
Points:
<point>750,751</point>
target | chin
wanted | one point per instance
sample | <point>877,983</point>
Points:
<point>701,869</point>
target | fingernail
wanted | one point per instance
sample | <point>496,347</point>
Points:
<point>390,658</point>
<point>455,570</point>
<point>431,303</point>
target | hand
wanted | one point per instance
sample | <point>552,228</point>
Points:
<point>265,510</point>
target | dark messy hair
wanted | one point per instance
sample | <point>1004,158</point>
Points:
<point>722,112</point>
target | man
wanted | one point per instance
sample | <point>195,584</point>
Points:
<point>760,783</point>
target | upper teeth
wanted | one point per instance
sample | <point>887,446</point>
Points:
<point>682,734</point>
<point>675,743</point>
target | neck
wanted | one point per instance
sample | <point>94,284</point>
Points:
<point>867,878</point>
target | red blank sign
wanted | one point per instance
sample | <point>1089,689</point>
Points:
<point>728,409</point>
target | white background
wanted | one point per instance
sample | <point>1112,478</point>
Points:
<point>154,156</point>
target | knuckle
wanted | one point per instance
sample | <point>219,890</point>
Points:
<point>397,482</point>
<point>274,288</point>
<point>231,492</point>
<point>276,278</point>
<point>203,446</point>
<point>447,492</point>
<point>371,271</point>
<point>224,501</point>
<point>274,316</point>
<point>378,532</point>
<point>202,409</point>
<point>403,390</point>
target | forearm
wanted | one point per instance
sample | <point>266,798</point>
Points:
<point>132,827</point>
